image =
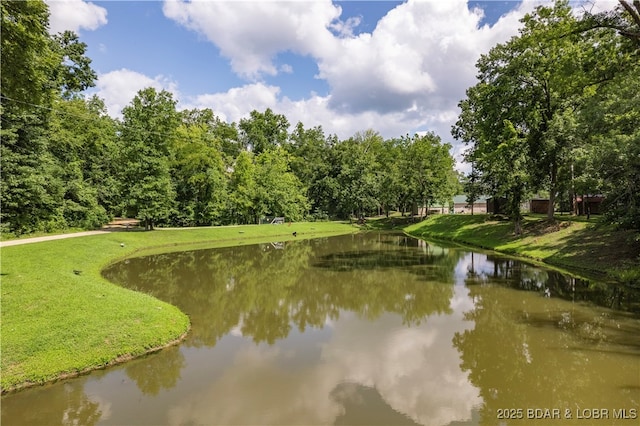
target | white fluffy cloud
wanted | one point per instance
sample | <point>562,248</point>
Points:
<point>250,34</point>
<point>74,15</point>
<point>119,87</point>
<point>237,102</point>
<point>420,56</point>
<point>406,75</point>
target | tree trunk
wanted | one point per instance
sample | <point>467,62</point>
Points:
<point>518,225</point>
<point>552,192</point>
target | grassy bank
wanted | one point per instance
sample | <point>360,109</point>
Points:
<point>61,318</point>
<point>565,242</point>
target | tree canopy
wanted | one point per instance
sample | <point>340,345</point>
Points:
<point>66,163</point>
<point>525,119</point>
<point>555,109</point>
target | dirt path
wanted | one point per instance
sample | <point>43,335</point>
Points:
<point>49,237</point>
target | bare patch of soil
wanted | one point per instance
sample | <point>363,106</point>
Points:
<point>545,227</point>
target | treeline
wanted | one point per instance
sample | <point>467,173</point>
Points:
<point>67,163</point>
<point>557,109</point>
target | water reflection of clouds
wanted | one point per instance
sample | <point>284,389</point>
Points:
<point>415,370</point>
<point>258,389</point>
<point>470,264</point>
<point>461,301</point>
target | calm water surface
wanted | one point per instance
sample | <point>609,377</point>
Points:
<point>370,328</point>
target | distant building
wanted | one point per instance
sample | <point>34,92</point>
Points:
<point>589,204</point>
<point>436,208</point>
<point>460,205</point>
<point>496,205</point>
<point>539,205</point>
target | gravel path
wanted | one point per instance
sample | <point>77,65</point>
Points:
<point>47,238</point>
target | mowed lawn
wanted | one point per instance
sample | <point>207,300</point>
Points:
<point>60,317</point>
<point>566,242</point>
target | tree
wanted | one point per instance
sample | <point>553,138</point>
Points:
<point>535,81</point>
<point>83,142</point>
<point>242,190</point>
<point>609,123</point>
<point>36,70</point>
<point>510,172</point>
<point>389,160</point>
<point>354,170</point>
<point>31,190</point>
<point>608,119</point>
<point>74,73</point>
<point>310,162</point>
<point>428,166</point>
<point>263,131</point>
<point>148,129</point>
<point>625,19</point>
<point>27,57</point>
<point>473,187</point>
<point>278,191</point>
<point>198,171</point>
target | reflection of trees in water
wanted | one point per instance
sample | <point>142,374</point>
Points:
<point>380,276</point>
<point>70,405</point>
<point>216,287</point>
<point>263,290</point>
<point>156,372</point>
<point>522,276</point>
<point>531,351</point>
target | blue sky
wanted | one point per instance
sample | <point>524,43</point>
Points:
<point>396,67</point>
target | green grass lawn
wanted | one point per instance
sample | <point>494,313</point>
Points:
<point>581,245</point>
<point>60,317</point>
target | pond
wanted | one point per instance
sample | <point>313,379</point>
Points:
<point>370,328</point>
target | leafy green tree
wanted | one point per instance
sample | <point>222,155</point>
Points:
<point>36,67</point>
<point>83,143</point>
<point>278,191</point>
<point>242,190</point>
<point>198,171</point>
<point>27,58</point>
<point>27,193</point>
<point>389,160</point>
<point>31,190</point>
<point>534,81</point>
<point>36,70</point>
<point>263,131</point>
<point>512,178</point>
<point>310,162</point>
<point>625,19</point>
<point>609,122</point>
<point>428,166</point>
<point>148,130</point>
<point>74,73</point>
<point>608,119</point>
<point>355,175</point>
<point>473,187</point>
<point>225,133</point>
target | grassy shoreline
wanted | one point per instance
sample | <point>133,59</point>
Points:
<point>61,318</point>
<point>590,248</point>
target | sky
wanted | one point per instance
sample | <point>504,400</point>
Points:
<point>397,67</point>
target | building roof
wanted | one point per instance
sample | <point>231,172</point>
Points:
<point>462,198</point>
